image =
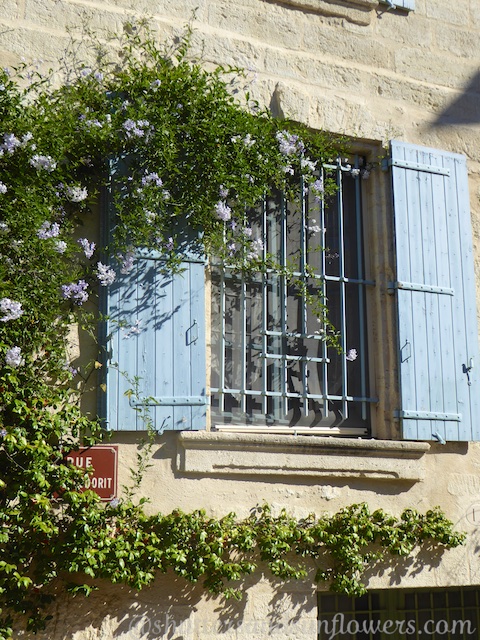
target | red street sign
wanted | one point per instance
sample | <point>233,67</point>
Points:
<point>104,460</point>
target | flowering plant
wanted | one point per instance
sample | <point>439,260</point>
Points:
<point>175,151</point>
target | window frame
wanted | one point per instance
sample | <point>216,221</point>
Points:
<point>361,282</point>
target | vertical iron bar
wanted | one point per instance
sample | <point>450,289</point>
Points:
<point>323,270</point>
<point>264,308</point>
<point>243,342</point>
<point>283,301</point>
<point>222,340</point>
<point>303,276</point>
<point>361,291</point>
<point>341,260</point>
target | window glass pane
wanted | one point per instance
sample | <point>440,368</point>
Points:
<point>351,256</point>
<point>454,599</point>
<point>469,598</point>
<point>332,236</point>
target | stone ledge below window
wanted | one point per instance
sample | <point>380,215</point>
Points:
<point>210,453</point>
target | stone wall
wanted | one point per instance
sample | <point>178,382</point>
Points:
<point>346,67</point>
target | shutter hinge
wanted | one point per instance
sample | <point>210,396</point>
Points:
<point>169,401</point>
<point>416,286</point>
<point>415,166</point>
<point>427,415</point>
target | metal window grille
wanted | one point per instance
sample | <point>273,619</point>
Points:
<point>271,367</point>
<point>439,614</point>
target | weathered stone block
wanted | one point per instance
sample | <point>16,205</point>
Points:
<point>10,9</point>
<point>449,12</point>
<point>447,71</point>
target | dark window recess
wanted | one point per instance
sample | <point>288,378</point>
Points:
<point>396,614</point>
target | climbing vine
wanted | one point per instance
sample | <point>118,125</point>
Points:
<point>174,149</point>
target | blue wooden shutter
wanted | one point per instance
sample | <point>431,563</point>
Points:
<point>435,292</point>
<point>408,5</point>
<point>155,367</point>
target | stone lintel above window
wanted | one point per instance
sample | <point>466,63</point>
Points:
<point>211,453</point>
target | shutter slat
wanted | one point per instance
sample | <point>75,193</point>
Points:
<point>408,5</point>
<point>465,318</point>
<point>404,200</point>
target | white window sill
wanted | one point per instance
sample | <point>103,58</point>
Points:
<point>211,453</point>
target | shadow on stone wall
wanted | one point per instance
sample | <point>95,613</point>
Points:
<point>465,109</point>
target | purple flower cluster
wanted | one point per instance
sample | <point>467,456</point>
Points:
<point>88,247</point>
<point>127,262</point>
<point>11,310</point>
<point>314,227</point>
<point>289,143</point>
<point>86,72</point>
<point>223,211</point>
<point>76,291</point>
<point>150,216</point>
<point>13,357</point>
<point>317,189</point>
<point>10,143</point>
<point>47,163</point>
<point>152,178</point>
<point>135,129</point>
<point>60,246</point>
<point>76,194</point>
<point>351,355</point>
<point>308,164</point>
<point>105,274</point>
<point>256,248</point>
<point>48,230</point>
<point>93,123</point>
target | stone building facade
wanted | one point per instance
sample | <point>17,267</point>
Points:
<point>374,73</point>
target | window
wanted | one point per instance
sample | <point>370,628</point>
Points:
<point>271,366</point>
<point>446,614</point>
<point>268,367</point>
